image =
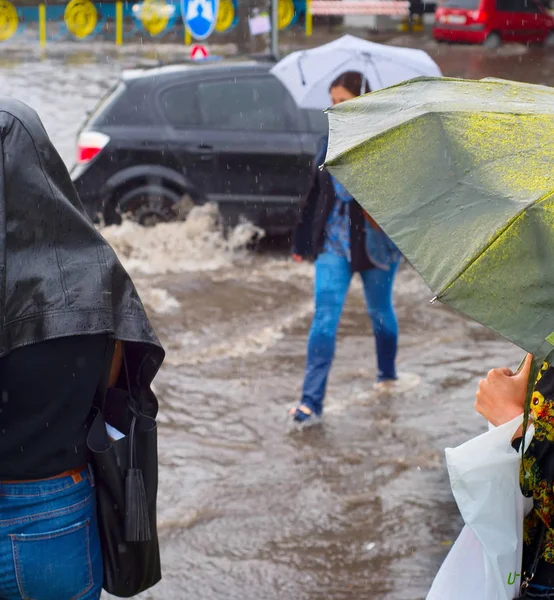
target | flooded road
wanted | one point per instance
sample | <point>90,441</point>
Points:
<point>248,509</point>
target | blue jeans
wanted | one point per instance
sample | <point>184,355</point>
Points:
<point>332,280</point>
<point>49,543</point>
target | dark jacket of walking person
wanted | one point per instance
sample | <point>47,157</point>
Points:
<point>344,240</point>
<point>63,297</point>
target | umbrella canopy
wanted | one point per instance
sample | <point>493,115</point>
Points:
<point>460,175</point>
<point>307,74</point>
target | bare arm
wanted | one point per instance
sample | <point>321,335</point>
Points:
<point>501,396</point>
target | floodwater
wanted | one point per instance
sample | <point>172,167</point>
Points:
<point>248,509</point>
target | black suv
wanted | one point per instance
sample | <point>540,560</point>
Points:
<point>170,137</point>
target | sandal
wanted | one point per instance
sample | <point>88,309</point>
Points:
<point>302,414</point>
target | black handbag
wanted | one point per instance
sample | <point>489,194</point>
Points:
<point>531,568</point>
<point>126,479</point>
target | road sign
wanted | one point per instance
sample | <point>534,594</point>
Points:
<point>199,52</point>
<point>200,17</point>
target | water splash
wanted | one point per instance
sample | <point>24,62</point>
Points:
<point>197,244</point>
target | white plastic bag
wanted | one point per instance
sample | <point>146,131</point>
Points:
<point>485,561</point>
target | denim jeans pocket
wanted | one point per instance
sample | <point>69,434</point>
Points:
<point>54,565</point>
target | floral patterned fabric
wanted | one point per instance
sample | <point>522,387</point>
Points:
<point>380,250</point>
<point>537,472</point>
<point>337,232</point>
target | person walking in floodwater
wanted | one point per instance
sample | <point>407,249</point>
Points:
<point>501,398</point>
<point>344,240</point>
<point>64,299</point>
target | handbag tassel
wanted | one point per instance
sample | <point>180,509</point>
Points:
<point>137,521</point>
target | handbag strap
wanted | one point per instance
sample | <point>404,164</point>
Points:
<point>133,408</point>
<point>529,574</point>
<point>100,397</point>
<point>102,391</point>
<point>133,405</point>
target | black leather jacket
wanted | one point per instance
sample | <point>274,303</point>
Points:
<point>316,208</point>
<point>58,276</point>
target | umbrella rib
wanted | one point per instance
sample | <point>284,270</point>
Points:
<point>300,69</point>
<point>430,201</point>
<point>491,242</point>
<point>343,153</point>
<point>369,59</point>
<point>476,257</point>
<point>344,62</point>
<point>335,112</point>
<point>396,61</point>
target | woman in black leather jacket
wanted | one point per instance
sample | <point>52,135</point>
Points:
<point>64,299</point>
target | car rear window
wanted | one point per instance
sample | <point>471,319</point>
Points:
<point>257,103</point>
<point>95,115</point>
<point>463,4</point>
<point>249,103</point>
<point>125,105</point>
<point>517,6</point>
<point>179,106</point>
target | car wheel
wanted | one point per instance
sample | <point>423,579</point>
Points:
<point>149,206</point>
<point>151,210</point>
<point>549,40</point>
<point>493,41</point>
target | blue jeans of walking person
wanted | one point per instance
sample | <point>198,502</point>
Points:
<point>332,280</point>
<point>49,542</point>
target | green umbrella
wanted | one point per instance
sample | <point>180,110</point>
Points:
<point>460,175</point>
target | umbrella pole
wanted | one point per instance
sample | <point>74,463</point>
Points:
<point>275,29</point>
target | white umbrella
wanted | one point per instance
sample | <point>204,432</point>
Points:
<point>307,74</point>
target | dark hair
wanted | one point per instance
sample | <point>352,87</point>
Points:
<point>351,81</point>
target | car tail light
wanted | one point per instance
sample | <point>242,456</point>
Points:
<point>478,16</point>
<point>89,146</point>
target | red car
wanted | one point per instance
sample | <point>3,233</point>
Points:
<point>491,22</point>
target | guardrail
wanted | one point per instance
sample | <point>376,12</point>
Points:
<point>397,8</point>
<point>362,7</point>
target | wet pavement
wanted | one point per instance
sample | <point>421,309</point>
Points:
<point>249,509</point>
